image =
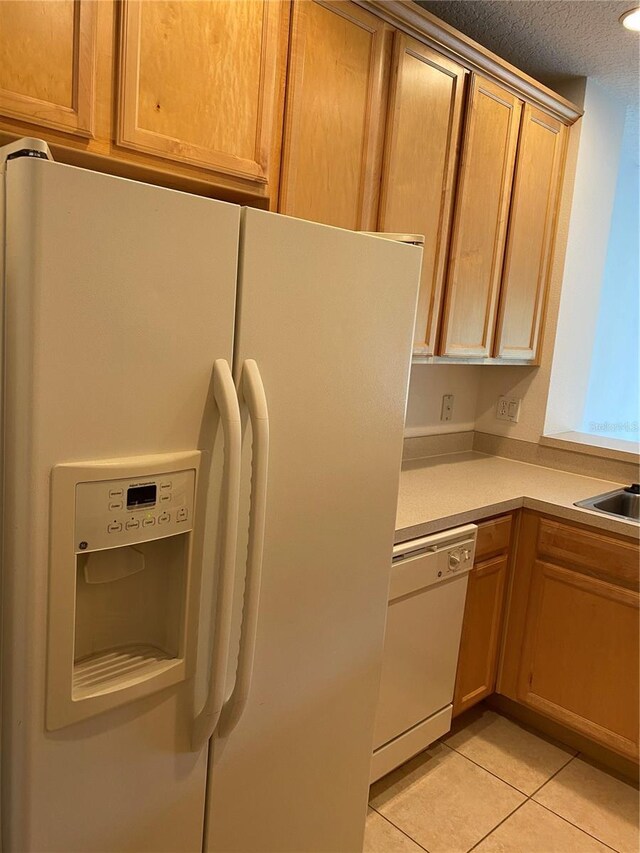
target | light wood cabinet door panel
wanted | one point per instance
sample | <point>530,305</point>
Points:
<point>493,537</point>
<point>47,63</point>
<point>200,82</point>
<point>336,100</point>
<point>480,221</point>
<point>423,133</point>
<point>530,240</point>
<point>570,650</point>
<point>481,632</point>
<point>580,655</point>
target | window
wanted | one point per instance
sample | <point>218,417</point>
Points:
<point>594,391</point>
<point>611,406</point>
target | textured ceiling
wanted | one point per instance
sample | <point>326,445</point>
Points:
<point>554,38</point>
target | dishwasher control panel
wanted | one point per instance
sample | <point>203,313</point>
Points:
<point>432,559</point>
<point>459,559</point>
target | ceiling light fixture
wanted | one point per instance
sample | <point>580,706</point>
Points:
<point>631,19</point>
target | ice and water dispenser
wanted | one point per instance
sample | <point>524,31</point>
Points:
<point>121,544</point>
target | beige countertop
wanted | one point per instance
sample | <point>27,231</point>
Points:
<point>445,491</point>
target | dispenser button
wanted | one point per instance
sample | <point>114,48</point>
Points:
<point>166,485</point>
<point>134,524</point>
<point>116,493</point>
<point>164,518</point>
<point>182,514</point>
<point>148,522</point>
<point>165,498</point>
<point>116,527</point>
<point>114,505</point>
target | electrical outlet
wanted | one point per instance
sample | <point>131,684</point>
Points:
<point>502,409</point>
<point>508,409</point>
<point>447,407</point>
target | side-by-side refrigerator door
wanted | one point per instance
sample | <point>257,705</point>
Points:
<point>118,415</point>
<point>322,356</point>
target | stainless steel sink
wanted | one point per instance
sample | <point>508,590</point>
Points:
<point>623,503</point>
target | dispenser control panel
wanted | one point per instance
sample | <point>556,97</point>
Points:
<point>112,513</point>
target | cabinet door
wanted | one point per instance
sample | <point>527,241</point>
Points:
<point>481,630</point>
<point>419,168</point>
<point>532,225</point>
<point>47,62</point>
<point>200,82</point>
<point>336,100</point>
<point>580,655</point>
<point>480,223</point>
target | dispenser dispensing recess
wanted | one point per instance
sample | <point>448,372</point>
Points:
<point>119,620</point>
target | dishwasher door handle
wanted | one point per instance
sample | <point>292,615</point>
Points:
<point>435,542</point>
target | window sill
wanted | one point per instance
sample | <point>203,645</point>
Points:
<point>594,445</point>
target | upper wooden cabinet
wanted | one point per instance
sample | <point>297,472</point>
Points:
<point>423,132</point>
<point>532,227</point>
<point>336,99</point>
<point>200,82</point>
<point>191,94</point>
<point>47,63</point>
<point>571,647</point>
<point>480,222</point>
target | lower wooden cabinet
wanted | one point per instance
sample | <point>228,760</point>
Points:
<point>483,615</point>
<point>571,646</point>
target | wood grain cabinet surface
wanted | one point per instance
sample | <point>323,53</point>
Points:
<point>483,615</point>
<point>571,647</point>
<point>423,133</point>
<point>200,83</point>
<point>334,124</point>
<point>530,241</point>
<point>47,63</point>
<point>480,222</point>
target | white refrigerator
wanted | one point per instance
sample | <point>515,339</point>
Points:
<point>203,414</point>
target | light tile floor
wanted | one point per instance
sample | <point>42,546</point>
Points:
<point>495,787</point>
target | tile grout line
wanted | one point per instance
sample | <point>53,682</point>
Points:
<point>524,802</point>
<point>491,831</point>
<point>553,776</point>
<point>506,817</point>
<point>551,811</point>
<point>495,776</point>
<point>529,798</point>
<point>406,834</point>
<point>575,826</point>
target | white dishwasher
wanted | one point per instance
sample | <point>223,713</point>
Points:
<point>424,622</point>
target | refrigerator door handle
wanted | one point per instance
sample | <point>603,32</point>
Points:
<point>252,391</point>
<point>226,399</point>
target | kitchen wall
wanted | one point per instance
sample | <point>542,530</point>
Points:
<point>428,384</point>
